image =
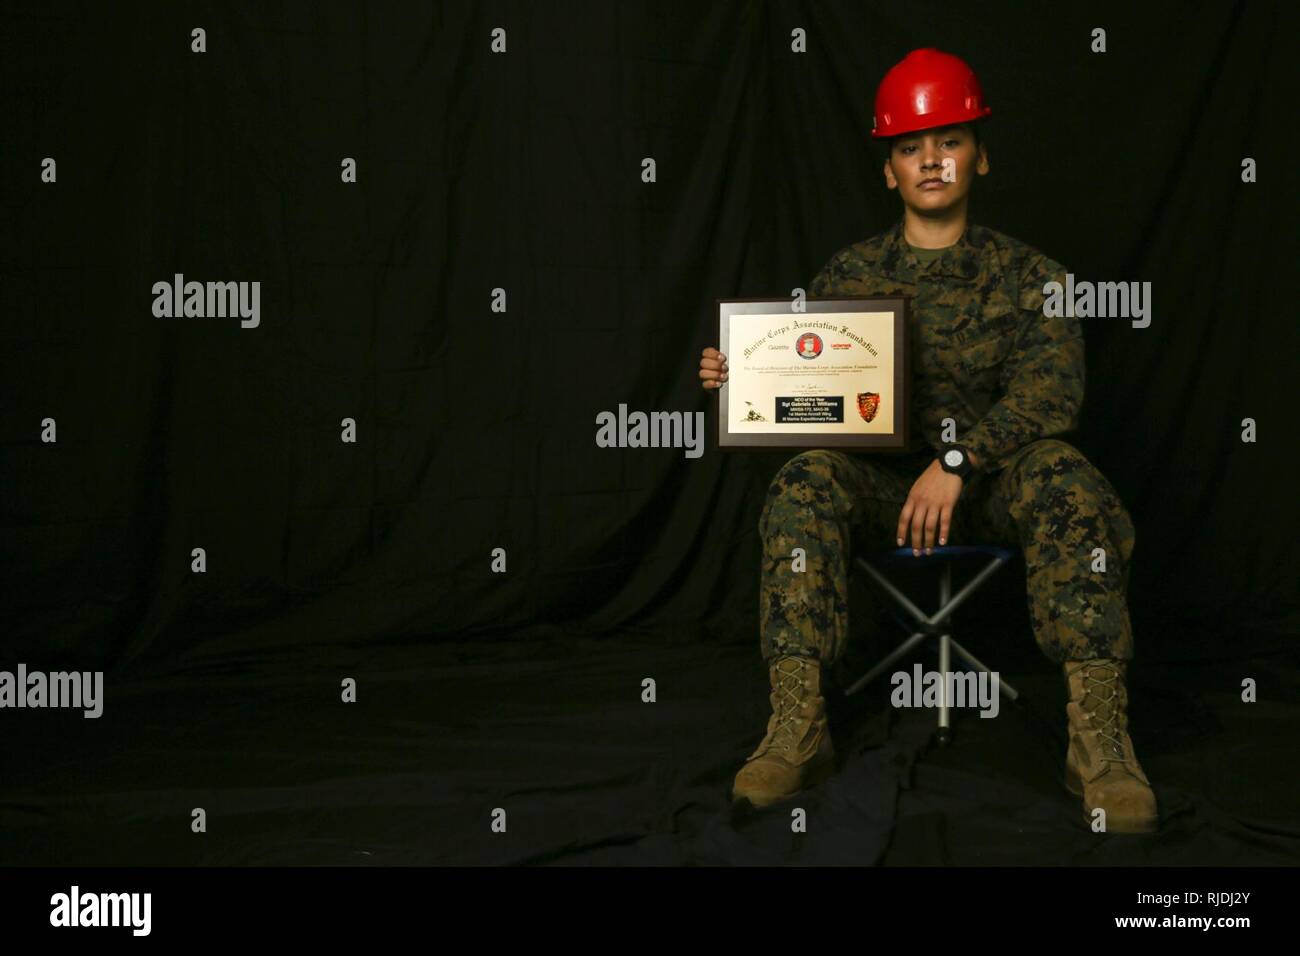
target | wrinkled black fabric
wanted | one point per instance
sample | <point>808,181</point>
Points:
<point>522,172</point>
<point>553,731</point>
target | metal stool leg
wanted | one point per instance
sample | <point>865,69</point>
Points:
<point>975,662</point>
<point>944,733</point>
<point>888,662</point>
<point>938,621</point>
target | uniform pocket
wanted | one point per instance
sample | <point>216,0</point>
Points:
<point>984,346</point>
<point>987,351</point>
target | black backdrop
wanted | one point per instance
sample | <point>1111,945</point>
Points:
<point>521,171</point>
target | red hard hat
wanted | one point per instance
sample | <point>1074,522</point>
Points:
<point>927,88</point>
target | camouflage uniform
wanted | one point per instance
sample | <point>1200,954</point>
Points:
<point>984,355</point>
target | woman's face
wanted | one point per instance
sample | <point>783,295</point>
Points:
<point>916,168</point>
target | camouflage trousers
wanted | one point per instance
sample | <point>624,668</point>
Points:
<point>1048,500</point>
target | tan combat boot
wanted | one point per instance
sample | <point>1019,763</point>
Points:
<point>1100,764</point>
<point>797,751</point>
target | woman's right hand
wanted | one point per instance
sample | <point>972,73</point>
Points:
<point>713,369</point>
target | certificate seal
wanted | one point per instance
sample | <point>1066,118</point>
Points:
<point>809,345</point>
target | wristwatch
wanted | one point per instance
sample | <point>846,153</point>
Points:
<point>954,460</point>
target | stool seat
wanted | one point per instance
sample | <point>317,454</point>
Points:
<point>904,555</point>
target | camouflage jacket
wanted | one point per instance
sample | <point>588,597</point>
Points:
<point>982,352</point>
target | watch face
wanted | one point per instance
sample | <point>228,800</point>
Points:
<point>952,458</point>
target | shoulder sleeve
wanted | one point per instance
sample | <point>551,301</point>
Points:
<point>1043,378</point>
<point>823,283</point>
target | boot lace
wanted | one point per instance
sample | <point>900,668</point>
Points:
<point>1101,683</point>
<point>790,701</point>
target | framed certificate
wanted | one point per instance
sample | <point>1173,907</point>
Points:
<point>832,376</point>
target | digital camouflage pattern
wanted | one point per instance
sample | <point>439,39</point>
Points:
<point>982,351</point>
<point>984,355</point>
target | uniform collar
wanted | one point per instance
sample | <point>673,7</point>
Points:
<point>965,259</point>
